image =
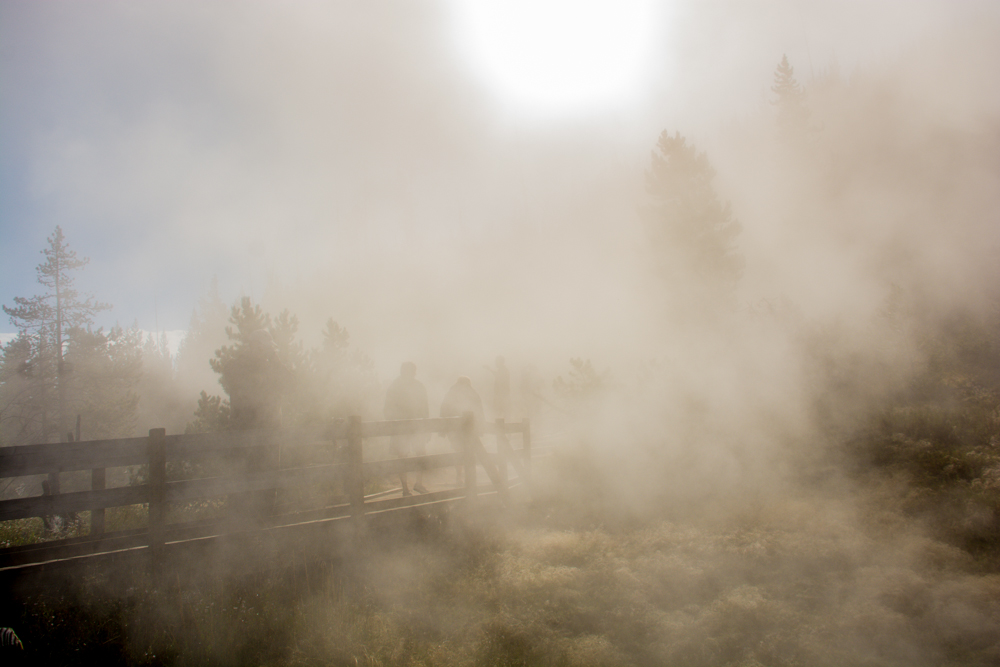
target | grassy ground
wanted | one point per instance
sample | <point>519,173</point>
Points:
<point>894,561</point>
<point>810,581</point>
<point>944,462</point>
<point>20,532</point>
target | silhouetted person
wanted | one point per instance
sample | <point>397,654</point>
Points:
<point>501,389</point>
<point>462,398</point>
<point>407,399</point>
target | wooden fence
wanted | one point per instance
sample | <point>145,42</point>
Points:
<point>260,464</point>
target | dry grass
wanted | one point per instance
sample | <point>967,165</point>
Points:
<point>804,581</point>
<point>796,584</point>
<point>857,572</point>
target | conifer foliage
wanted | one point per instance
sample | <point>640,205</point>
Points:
<point>37,397</point>
<point>251,370</point>
<point>273,381</point>
<point>103,388</point>
<point>60,307</point>
<point>793,115</point>
<point>343,379</point>
<point>691,228</point>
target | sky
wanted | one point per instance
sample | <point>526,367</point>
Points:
<point>379,163</point>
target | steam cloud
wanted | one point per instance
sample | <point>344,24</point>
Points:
<point>339,161</point>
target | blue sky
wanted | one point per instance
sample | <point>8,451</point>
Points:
<point>76,78</point>
<point>354,156</point>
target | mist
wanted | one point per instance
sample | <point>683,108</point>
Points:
<point>358,163</point>
<point>304,147</point>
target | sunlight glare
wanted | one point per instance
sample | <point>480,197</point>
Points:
<point>557,56</point>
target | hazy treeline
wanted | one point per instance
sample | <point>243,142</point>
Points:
<point>122,381</point>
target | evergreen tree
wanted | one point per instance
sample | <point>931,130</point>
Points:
<point>160,399</point>
<point>46,321</point>
<point>103,388</point>
<point>206,333</point>
<point>20,405</point>
<point>272,380</point>
<point>343,381</point>
<point>211,415</point>
<point>793,115</point>
<point>692,230</point>
<point>193,371</point>
<point>290,352</point>
<point>251,370</point>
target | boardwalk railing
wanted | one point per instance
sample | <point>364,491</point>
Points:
<point>259,467</point>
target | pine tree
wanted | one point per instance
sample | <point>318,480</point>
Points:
<point>46,320</point>
<point>103,387</point>
<point>211,415</point>
<point>20,414</point>
<point>342,381</point>
<point>290,352</point>
<point>793,115</point>
<point>206,333</point>
<point>161,403</point>
<point>692,230</point>
<point>251,370</point>
<point>272,380</point>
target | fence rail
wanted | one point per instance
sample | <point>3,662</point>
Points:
<point>262,463</point>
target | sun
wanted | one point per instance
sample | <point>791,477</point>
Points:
<point>557,56</point>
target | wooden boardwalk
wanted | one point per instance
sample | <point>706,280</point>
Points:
<point>280,494</point>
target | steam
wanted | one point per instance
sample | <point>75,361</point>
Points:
<point>341,162</point>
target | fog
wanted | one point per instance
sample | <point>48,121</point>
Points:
<point>360,162</point>
<point>336,152</point>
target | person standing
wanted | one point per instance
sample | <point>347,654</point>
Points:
<point>501,389</point>
<point>407,399</point>
<point>462,398</point>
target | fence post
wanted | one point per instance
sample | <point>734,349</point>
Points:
<point>502,446</point>
<point>58,521</point>
<point>51,522</point>
<point>98,481</point>
<point>355,470</point>
<point>262,459</point>
<point>469,455</point>
<point>526,447</point>
<point>157,484</point>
